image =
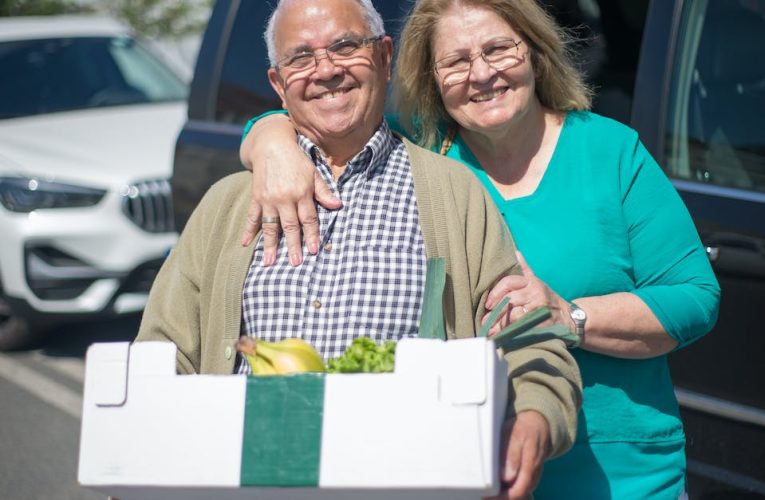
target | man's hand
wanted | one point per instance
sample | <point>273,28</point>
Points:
<point>284,186</point>
<point>525,447</point>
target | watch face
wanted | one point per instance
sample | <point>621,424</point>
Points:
<point>578,315</point>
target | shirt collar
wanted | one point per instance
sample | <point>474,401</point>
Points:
<point>371,159</point>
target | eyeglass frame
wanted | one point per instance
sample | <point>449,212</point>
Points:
<point>472,57</point>
<point>363,43</point>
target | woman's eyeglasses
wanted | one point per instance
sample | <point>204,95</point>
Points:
<point>455,68</point>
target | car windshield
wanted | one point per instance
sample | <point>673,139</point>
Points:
<point>45,76</point>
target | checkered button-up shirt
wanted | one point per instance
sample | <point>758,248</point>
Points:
<point>369,275</point>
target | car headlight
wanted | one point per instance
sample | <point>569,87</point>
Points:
<point>25,194</point>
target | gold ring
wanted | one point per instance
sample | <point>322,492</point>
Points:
<point>270,220</point>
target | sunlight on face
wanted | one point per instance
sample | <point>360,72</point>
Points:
<point>487,99</point>
<point>331,101</point>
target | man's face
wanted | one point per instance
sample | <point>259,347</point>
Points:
<point>337,102</point>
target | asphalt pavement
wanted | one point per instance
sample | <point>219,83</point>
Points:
<point>41,394</point>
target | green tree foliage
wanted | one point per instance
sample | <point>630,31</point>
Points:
<point>163,18</point>
<point>151,18</point>
<point>41,7</point>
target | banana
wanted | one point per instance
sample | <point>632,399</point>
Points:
<point>258,365</point>
<point>291,355</point>
<point>301,346</point>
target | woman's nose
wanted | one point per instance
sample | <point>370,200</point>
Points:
<point>480,70</point>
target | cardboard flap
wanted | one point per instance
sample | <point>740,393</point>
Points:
<point>106,369</point>
<point>152,359</point>
<point>461,365</point>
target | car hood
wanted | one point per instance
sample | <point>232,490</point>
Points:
<point>97,147</point>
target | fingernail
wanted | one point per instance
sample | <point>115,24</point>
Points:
<point>508,474</point>
<point>268,259</point>
<point>295,259</point>
<point>313,247</point>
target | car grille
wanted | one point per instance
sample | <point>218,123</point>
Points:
<point>149,205</point>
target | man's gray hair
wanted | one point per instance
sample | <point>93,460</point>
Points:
<point>374,25</point>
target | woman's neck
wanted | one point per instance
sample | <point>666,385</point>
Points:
<point>516,157</point>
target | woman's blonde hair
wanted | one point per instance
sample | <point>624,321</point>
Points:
<point>559,85</point>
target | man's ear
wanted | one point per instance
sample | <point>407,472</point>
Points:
<point>277,83</point>
<point>386,51</point>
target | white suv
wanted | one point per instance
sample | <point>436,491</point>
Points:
<point>88,122</point>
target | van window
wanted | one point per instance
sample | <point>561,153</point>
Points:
<point>244,90</point>
<point>717,99</point>
<point>608,34</point>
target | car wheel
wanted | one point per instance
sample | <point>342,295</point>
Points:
<point>15,332</point>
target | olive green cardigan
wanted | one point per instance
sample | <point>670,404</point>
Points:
<point>196,300</point>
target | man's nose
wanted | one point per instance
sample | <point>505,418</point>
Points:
<point>325,68</point>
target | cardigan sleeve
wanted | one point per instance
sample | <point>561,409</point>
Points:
<point>671,270</point>
<point>480,251</point>
<point>173,310</point>
<point>543,377</point>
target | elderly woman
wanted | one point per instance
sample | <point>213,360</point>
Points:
<point>610,247</point>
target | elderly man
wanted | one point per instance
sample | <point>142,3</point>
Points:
<point>330,66</point>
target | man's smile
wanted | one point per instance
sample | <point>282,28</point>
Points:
<point>334,93</point>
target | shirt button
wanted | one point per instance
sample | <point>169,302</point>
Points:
<point>328,246</point>
<point>317,304</point>
<point>228,351</point>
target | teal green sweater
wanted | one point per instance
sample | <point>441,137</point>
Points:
<point>606,219</point>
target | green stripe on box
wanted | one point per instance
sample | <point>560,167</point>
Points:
<point>282,430</point>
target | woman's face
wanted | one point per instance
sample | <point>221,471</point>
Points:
<point>487,101</point>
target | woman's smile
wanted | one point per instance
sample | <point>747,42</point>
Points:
<point>489,95</point>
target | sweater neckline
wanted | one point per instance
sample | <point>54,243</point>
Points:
<point>466,155</point>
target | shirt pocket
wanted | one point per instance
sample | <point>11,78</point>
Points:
<point>386,285</point>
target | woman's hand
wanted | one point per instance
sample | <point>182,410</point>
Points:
<point>527,292</point>
<point>525,447</point>
<point>284,186</point>
<point>619,324</point>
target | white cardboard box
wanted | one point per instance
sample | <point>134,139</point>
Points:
<point>429,430</point>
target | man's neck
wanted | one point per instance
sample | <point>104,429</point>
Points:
<point>338,151</point>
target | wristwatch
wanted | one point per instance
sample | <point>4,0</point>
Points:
<point>580,318</point>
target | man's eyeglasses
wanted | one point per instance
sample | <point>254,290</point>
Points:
<point>455,68</point>
<point>338,51</point>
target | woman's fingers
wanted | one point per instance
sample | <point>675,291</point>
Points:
<point>290,226</point>
<point>309,222</point>
<point>252,224</point>
<point>525,269</point>
<point>309,219</point>
<point>513,314</point>
<point>323,194</point>
<point>505,286</point>
<point>271,225</point>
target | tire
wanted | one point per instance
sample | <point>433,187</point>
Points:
<point>15,332</point>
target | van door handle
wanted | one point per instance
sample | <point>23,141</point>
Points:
<point>737,254</point>
<point>713,253</point>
